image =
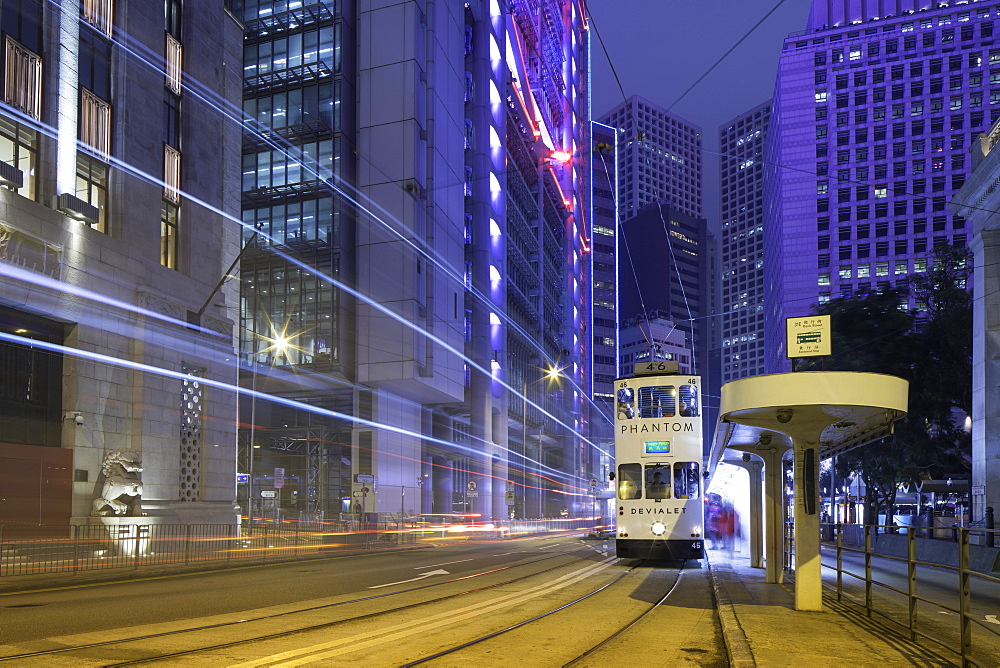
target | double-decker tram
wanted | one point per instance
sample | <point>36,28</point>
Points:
<point>658,452</point>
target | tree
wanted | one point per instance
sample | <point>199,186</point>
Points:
<point>933,351</point>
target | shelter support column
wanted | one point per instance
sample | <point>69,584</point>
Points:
<point>774,499</point>
<point>754,469</point>
<point>808,570</point>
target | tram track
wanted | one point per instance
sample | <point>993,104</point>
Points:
<point>537,618</point>
<point>246,624</point>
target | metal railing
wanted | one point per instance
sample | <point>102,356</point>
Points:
<point>134,545</point>
<point>863,540</point>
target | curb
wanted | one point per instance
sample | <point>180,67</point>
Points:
<point>737,646</point>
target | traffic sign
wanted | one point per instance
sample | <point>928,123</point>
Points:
<point>808,336</point>
<point>364,477</point>
<point>242,478</point>
<point>268,493</point>
<point>279,477</point>
<point>471,485</point>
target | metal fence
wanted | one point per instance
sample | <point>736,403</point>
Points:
<point>972,567</point>
<point>134,545</point>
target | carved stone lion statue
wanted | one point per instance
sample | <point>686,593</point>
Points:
<point>122,490</point>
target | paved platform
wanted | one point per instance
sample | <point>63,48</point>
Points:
<point>762,628</point>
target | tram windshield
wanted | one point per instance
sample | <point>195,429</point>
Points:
<point>629,481</point>
<point>658,481</point>
<point>686,480</point>
<point>657,401</point>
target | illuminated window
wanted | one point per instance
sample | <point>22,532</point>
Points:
<point>95,122</point>
<point>171,174</point>
<point>19,149</point>
<point>92,186</point>
<point>23,79</point>
<point>99,13</point>
<point>174,57</point>
<point>168,235</point>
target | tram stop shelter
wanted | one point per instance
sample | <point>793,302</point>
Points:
<point>810,415</point>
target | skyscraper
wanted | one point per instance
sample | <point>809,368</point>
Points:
<point>665,259</point>
<point>871,124</point>
<point>119,195</point>
<point>430,253</point>
<point>659,158</point>
<point>741,145</point>
<point>604,332</point>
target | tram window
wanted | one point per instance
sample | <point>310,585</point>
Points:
<point>629,481</point>
<point>657,401</point>
<point>626,403</point>
<point>688,401</point>
<point>686,480</point>
<point>658,481</point>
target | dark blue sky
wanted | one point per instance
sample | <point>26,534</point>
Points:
<point>660,47</point>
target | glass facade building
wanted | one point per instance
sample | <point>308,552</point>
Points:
<point>741,147</point>
<point>418,240</point>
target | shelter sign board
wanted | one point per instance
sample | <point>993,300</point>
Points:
<point>808,336</point>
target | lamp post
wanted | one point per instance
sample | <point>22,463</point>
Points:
<point>279,345</point>
<point>552,373</point>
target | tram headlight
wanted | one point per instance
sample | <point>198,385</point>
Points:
<point>659,528</point>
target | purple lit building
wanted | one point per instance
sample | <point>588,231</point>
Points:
<point>872,118</point>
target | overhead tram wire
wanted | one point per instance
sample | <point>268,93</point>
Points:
<point>641,135</point>
<point>120,165</point>
<point>726,54</point>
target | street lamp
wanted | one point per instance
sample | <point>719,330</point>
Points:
<point>278,344</point>
<point>551,374</point>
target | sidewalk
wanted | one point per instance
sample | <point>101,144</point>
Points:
<point>762,628</point>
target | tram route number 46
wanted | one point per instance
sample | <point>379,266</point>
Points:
<point>655,368</point>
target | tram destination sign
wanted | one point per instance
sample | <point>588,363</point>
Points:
<point>808,336</point>
<point>657,447</point>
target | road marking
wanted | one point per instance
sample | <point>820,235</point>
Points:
<point>992,619</point>
<point>340,646</point>
<point>417,568</point>
<point>419,577</point>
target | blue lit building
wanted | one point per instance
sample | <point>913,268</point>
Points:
<point>872,119</point>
